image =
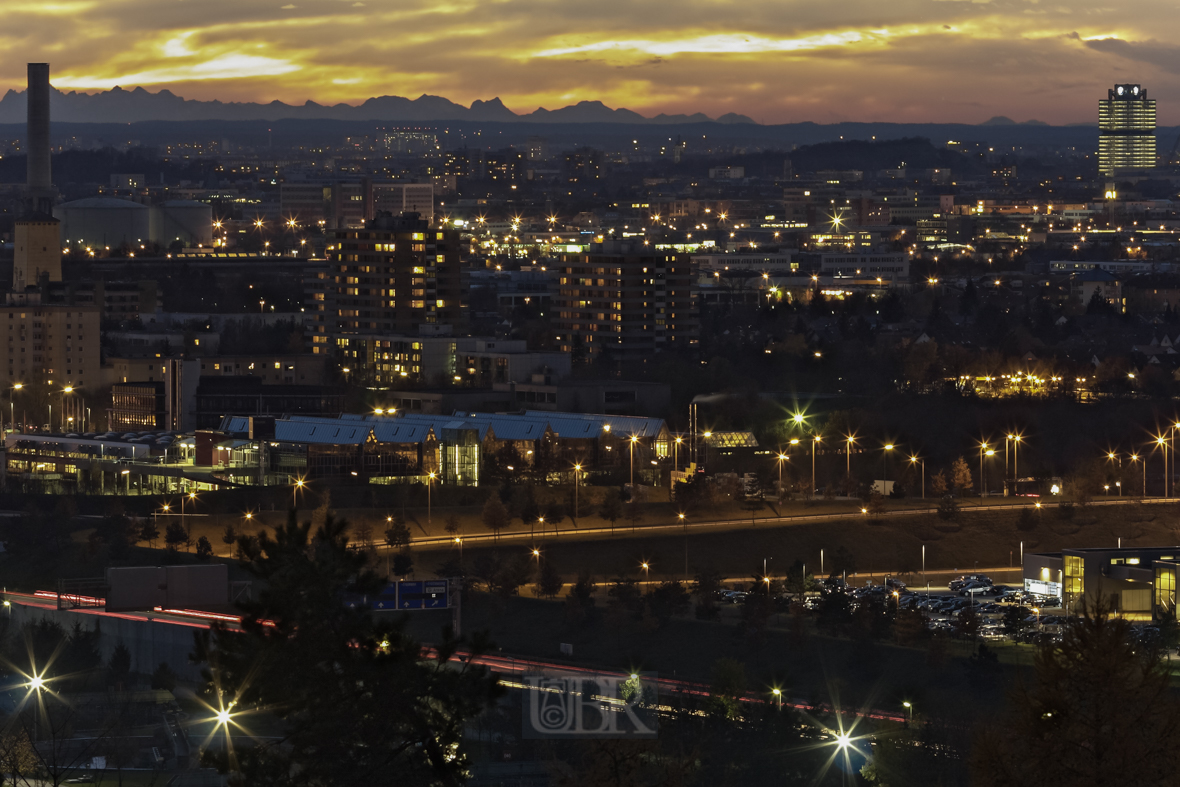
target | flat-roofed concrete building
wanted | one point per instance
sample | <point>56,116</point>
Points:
<point>350,204</point>
<point>886,265</point>
<point>1134,581</point>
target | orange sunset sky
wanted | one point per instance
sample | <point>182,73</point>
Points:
<point>774,60</point>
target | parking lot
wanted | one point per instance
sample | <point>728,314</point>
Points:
<point>970,606</point>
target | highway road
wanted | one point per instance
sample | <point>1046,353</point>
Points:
<point>510,668</point>
<point>627,531</point>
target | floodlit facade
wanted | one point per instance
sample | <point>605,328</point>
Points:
<point>1138,583</point>
<point>1126,130</point>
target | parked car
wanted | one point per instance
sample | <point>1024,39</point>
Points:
<point>974,588</point>
<point>957,584</point>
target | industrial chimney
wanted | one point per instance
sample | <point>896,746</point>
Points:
<point>37,234</point>
<point>40,181</point>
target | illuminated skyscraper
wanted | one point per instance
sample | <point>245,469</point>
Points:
<point>1126,130</point>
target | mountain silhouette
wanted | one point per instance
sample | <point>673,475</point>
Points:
<point>132,106</point>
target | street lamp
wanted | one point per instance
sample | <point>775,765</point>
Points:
<point>910,707</point>
<point>65,390</point>
<point>684,522</point>
<point>781,458</point>
<point>634,440</point>
<point>191,496</point>
<point>676,453</point>
<point>1162,443</point>
<point>815,441</point>
<point>1015,438</point>
<point>1135,458</point>
<point>916,460</point>
<point>645,566</point>
<point>850,440</point>
<point>294,491</point>
<point>429,484</point>
<point>12,403</point>
<point>577,482</point>
<point>778,695</point>
<point>982,448</point>
<point>885,465</point>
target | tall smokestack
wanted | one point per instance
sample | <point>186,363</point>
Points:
<point>40,180</point>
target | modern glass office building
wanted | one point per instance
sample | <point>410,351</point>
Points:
<point>1126,130</point>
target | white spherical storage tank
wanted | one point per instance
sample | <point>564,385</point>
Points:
<point>186,221</point>
<point>103,222</point>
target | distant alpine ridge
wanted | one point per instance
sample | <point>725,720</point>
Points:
<point>131,106</point>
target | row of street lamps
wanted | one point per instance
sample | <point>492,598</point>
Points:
<point>65,420</point>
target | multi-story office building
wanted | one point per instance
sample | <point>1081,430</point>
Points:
<point>1126,130</point>
<point>885,265</point>
<point>626,299</point>
<point>392,277</point>
<point>341,204</point>
<point>385,359</point>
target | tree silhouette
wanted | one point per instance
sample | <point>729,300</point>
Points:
<point>353,696</point>
<point>1098,711</point>
<point>495,515</point>
<point>611,509</point>
<point>961,476</point>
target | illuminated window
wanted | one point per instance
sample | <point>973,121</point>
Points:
<point>1165,589</point>
<point>1074,583</point>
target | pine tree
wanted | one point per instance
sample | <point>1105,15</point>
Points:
<point>149,532</point>
<point>175,535</point>
<point>549,583</point>
<point>119,666</point>
<point>204,549</point>
<point>382,706</point>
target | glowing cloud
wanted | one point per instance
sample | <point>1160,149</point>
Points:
<point>776,60</point>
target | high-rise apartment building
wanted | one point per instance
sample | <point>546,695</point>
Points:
<point>49,343</point>
<point>391,278</point>
<point>627,300</point>
<point>1126,130</point>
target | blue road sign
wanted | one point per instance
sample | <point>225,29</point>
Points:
<point>429,594</point>
<point>405,595</point>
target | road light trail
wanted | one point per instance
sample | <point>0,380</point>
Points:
<point>731,524</point>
